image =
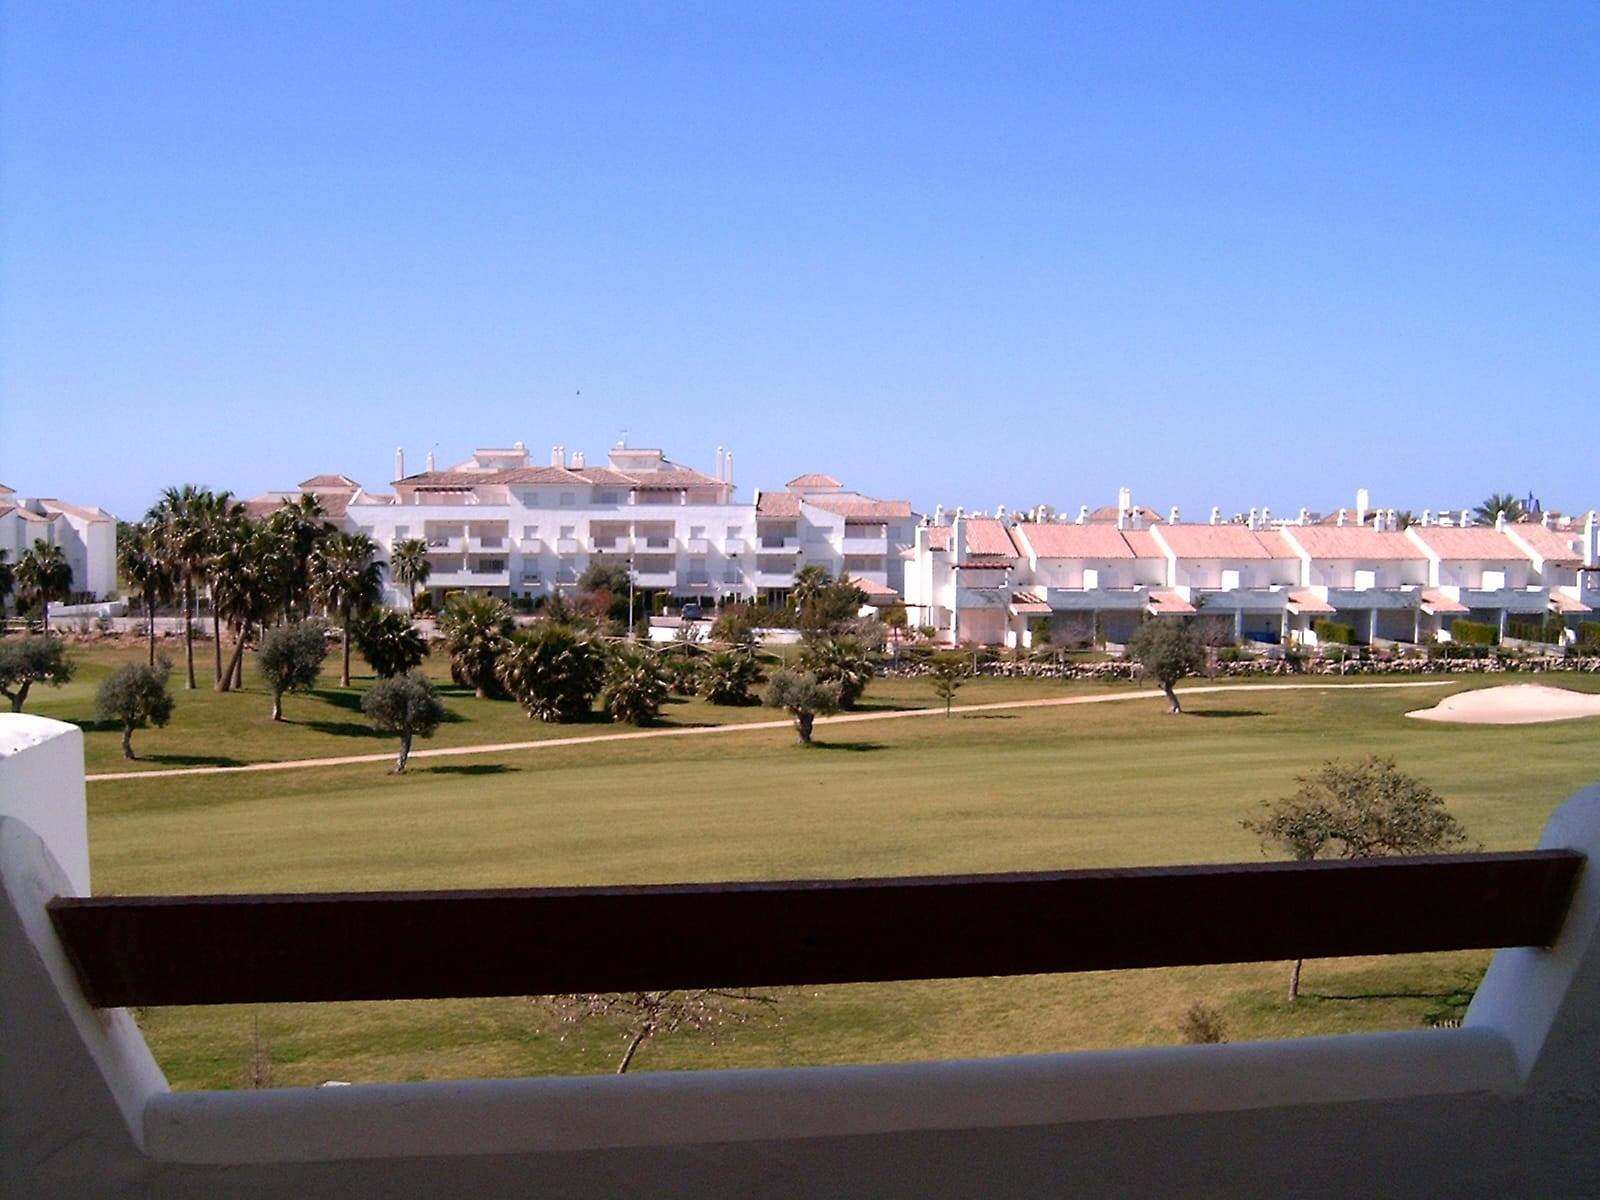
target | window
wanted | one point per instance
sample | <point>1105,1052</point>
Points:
<point>697,531</point>
<point>1091,578</point>
<point>568,531</point>
<point>735,531</point>
<point>1493,581</point>
<point>401,531</point>
<point>1365,581</point>
<point>567,571</point>
<point>1230,581</point>
<point>730,573</point>
<point>529,532</point>
<point>568,499</point>
<point>697,570</point>
<point>607,497</point>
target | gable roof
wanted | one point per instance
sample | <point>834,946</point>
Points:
<point>1108,513</point>
<point>54,506</point>
<point>777,504</point>
<point>860,507</point>
<point>1221,541</point>
<point>938,537</point>
<point>988,538</point>
<point>1558,547</point>
<point>1466,542</point>
<point>1142,543</point>
<point>319,483</point>
<point>1074,541</point>
<point>1352,542</point>
<point>814,480</point>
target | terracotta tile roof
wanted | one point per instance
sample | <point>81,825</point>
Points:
<point>1074,541</point>
<point>1107,514</point>
<point>1469,542</point>
<point>1142,543</point>
<point>1352,542</point>
<point>987,537</point>
<point>1308,602</point>
<point>375,498</point>
<point>1028,603</point>
<point>259,508</point>
<point>1563,603</point>
<point>1221,541</point>
<point>524,475</point>
<point>319,483</point>
<point>674,477</point>
<point>1438,602</point>
<point>813,480</point>
<point>1559,547</point>
<point>777,504</point>
<point>6,508</point>
<point>860,506</point>
<point>1163,602</point>
<point>874,591</point>
<point>603,475</point>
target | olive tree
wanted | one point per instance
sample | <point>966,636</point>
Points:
<point>290,659</point>
<point>26,661</point>
<point>404,705</point>
<point>1368,809</point>
<point>803,696</point>
<point>135,696</point>
<point>1168,650</point>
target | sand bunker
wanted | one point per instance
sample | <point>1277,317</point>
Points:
<point>1512,704</point>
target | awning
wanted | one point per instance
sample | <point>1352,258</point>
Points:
<point>1028,604</point>
<point>1164,603</point>
<point>1308,602</point>
<point>1562,603</point>
<point>1437,602</point>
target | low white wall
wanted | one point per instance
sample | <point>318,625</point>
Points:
<point>41,784</point>
<point>1504,1106</point>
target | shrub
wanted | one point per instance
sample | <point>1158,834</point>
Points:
<point>947,672</point>
<point>554,671</point>
<point>405,705</point>
<point>475,631</point>
<point>841,660</point>
<point>683,674</point>
<point>1474,633</point>
<point>26,661</point>
<point>1202,1024</point>
<point>1548,632</point>
<point>734,625</point>
<point>1589,637</point>
<point>635,686</point>
<point>803,696</point>
<point>389,642</point>
<point>1333,633</point>
<point>727,676</point>
<point>135,696</point>
<point>290,659</point>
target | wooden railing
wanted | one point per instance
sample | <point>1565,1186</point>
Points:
<point>158,950</point>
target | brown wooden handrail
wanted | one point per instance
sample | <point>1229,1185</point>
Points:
<point>233,949</point>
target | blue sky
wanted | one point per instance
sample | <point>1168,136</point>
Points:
<point>985,254</point>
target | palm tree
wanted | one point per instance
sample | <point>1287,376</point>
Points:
<point>1498,503</point>
<point>45,575</point>
<point>347,580</point>
<point>140,564</point>
<point>8,580</point>
<point>476,630</point>
<point>1405,519</point>
<point>809,581</point>
<point>299,525</point>
<point>218,512</point>
<point>181,536</point>
<point>408,563</point>
<point>245,567</point>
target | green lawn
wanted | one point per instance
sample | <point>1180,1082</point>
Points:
<point>1027,789</point>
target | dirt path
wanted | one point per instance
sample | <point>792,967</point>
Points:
<point>747,726</point>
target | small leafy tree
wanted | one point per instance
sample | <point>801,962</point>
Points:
<point>635,687</point>
<point>646,1015</point>
<point>841,660</point>
<point>803,696</point>
<point>135,696</point>
<point>553,671</point>
<point>476,632</point>
<point>390,643</point>
<point>1368,809</point>
<point>947,673</point>
<point>290,659</point>
<point>1168,650</point>
<point>26,661</point>
<point>404,705</point>
<point>726,677</point>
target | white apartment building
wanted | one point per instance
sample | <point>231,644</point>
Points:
<point>501,525</point>
<point>87,537</point>
<point>991,580</point>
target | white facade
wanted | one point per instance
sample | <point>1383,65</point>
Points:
<point>87,537</point>
<point>501,525</point>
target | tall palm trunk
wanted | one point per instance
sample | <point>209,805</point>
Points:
<point>344,677</point>
<point>232,677</point>
<point>188,631</point>
<point>216,634</point>
<point>150,611</point>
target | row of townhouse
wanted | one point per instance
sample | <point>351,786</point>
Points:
<point>87,538</point>
<point>499,524</point>
<point>991,581</point>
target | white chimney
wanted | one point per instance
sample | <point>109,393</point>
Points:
<point>577,459</point>
<point>1251,520</point>
<point>1305,516</point>
<point>938,514</point>
<point>727,465</point>
<point>1124,499</point>
<point>1427,517</point>
<point>1544,519</point>
<point>1500,519</point>
<point>1122,515</point>
<point>430,461</point>
<point>1266,517</point>
<point>720,476</point>
<point>1341,516</point>
<point>399,462</point>
<point>1591,540</point>
<point>1083,513</point>
<point>1363,502</point>
<point>555,456</point>
<point>958,537</point>
<point>1466,518</point>
<point>1172,515</point>
<point>999,512</point>
<point>1216,515</point>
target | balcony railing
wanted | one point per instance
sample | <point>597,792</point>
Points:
<point>769,545</point>
<point>697,545</point>
<point>530,545</point>
<point>567,546</point>
<point>243,949</point>
<point>734,546</point>
<point>490,544</point>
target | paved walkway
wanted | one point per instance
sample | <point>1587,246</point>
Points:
<point>746,726</point>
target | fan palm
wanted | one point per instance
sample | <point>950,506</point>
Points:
<point>1498,504</point>
<point>347,580</point>
<point>244,569</point>
<point>408,563</point>
<point>140,564</point>
<point>299,526</point>
<point>8,580</point>
<point>218,513</point>
<point>179,518</point>
<point>475,629</point>
<point>44,574</point>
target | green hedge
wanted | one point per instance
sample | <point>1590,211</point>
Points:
<point>1548,632</point>
<point>1474,633</point>
<point>1332,632</point>
<point>1589,634</point>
